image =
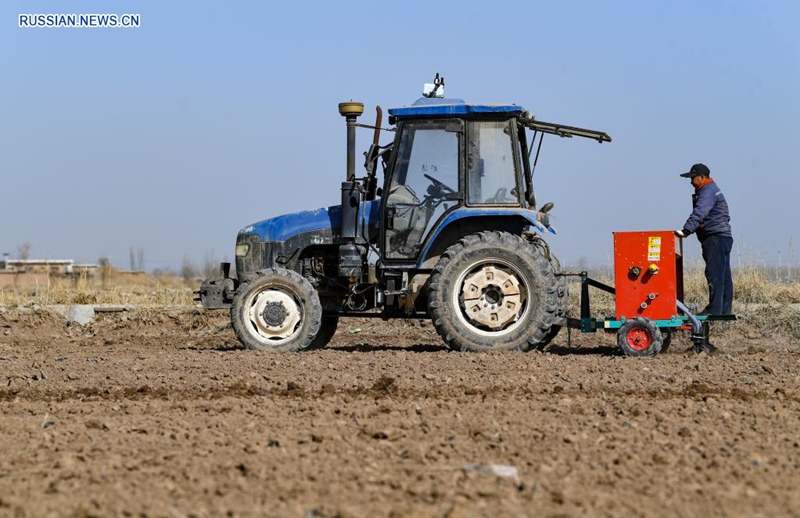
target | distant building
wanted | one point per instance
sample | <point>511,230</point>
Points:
<point>38,272</point>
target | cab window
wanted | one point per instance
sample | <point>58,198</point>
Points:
<point>492,178</point>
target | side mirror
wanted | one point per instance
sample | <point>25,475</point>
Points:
<point>547,207</point>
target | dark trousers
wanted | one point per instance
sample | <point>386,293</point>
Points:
<point>717,255</point>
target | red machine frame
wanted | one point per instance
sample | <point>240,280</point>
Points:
<point>648,287</point>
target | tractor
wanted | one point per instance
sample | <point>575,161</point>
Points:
<point>451,233</point>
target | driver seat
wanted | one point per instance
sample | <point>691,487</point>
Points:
<point>409,223</point>
<point>501,197</point>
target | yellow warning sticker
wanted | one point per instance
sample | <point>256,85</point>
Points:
<point>654,248</point>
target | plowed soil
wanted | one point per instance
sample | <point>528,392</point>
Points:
<point>162,414</point>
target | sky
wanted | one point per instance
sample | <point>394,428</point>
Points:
<point>167,138</point>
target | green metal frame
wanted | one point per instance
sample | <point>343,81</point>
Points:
<point>589,324</point>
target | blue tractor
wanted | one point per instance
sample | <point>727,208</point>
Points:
<point>452,233</point>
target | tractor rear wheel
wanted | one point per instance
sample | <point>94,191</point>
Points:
<point>493,291</point>
<point>563,303</point>
<point>276,309</point>
<point>640,337</point>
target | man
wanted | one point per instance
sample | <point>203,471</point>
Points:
<point>710,219</point>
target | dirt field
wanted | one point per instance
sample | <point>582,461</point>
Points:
<point>161,414</point>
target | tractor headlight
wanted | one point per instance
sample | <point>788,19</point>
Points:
<point>242,249</point>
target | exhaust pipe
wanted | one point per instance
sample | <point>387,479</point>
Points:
<point>351,111</point>
<point>351,193</point>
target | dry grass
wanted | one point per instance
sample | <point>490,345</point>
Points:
<point>142,291</point>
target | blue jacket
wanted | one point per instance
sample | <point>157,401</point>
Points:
<point>710,215</point>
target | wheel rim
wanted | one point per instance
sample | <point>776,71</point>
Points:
<point>274,315</point>
<point>492,296</point>
<point>639,338</point>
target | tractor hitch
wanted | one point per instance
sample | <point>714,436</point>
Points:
<point>217,293</point>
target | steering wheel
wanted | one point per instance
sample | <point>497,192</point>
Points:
<point>439,185</point>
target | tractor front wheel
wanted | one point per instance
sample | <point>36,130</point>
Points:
<point>640,337</point>
<point>276,309</point>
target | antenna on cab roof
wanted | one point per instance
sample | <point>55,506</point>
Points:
<point>435,89</point>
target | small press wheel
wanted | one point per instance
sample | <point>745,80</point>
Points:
<point>640,337</point>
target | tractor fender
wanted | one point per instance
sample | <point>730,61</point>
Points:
<point>465,221</point>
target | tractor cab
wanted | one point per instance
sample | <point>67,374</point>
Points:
<point>456,161</point>
<point>448,156</point>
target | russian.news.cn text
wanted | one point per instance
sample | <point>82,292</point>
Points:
<point>79,20</point>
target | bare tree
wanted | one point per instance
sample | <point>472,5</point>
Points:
<point>105,270</point>
<point>188,271</point>
<point>137,259</point>
<point>24,251</point>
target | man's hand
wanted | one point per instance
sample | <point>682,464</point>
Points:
<point>680,233</point>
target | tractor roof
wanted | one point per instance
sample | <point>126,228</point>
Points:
<point>439,107</point>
